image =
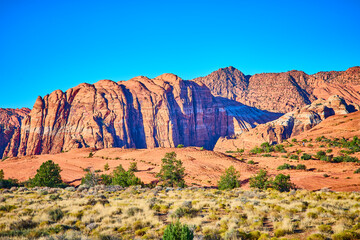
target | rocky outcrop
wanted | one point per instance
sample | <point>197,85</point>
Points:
<point>284,92</point>
<point>139,113</point>
<point>10,121</point>
<point>288,125</point>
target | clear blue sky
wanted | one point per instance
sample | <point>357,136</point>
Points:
<point>57,44</point>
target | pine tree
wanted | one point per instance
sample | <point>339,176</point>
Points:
<point>172,172</point>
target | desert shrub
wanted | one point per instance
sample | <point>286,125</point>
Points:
<point>7,208</point>
<point>180,146</point>
<point>345,158</point>
<point>300,167</point>
<point>124,178</point>
<point>267,155</point>
<point>316,236</point>
<point>326,175</point>
<point>267,147</point>
<point>91,154</point>
<point>256,150</point>
<point>280,232</point>
<point>133,210</point>
<point>346,235</point>
<point>325,228</point>
<point>48,175</point>
<point>106,167</point>
<point>90,179</point>
<point>294,140</point>
<point>357,170</point>
<point>282,183</point>
<point>230,179</point>
<point>251,162</point>
<point>133,167</point>
<point>280,148</point>
<point>9,183</point>
<point>238,150</point>
<point>320,154</point>
<point>1,174</point>
<point>305,156</point>
<point>56,214</point>
<point>285,166</point>
<point>294,157</point>
<point>178,231</point>
<point>329,150</point>
<point>106,179</point>
<point>260,181</point>
<point>172,172</point>
<point>22,224</point>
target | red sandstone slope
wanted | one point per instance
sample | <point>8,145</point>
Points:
<point>139,113</point>
<point>201,167</point>
<point>283,92</point>
<point>10,121</point>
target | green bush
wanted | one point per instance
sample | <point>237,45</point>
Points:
<point>256,150</point>
<point>251,162</point>
<point>300,167</point>
<point>280,148</point>
<point>106,179</point>
<point>230,179</point>
<point>260,181</point>
<point>106,167</point>
<point>325,228</point>
<point>282,183</point>
<point>124,178</point>
<point>48,175</point>
<point>133,167</point>
<point>357,170</point>
<point>294,140</point>
<point>305,156</point>
<point>90,179</point>
<point>180,146</point>
<point>56,214</point>
<point>294,157</point>
<point>329,150</point>
<point>346,235</point>
<point>285,166</point>
<point>266,155</point>
<point>320,154</point>
<point>177,231</point>
<point>316,236</point>
<point>172,172</point>
<point>267,147</point>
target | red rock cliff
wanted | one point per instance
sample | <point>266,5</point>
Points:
<point>139,113</point>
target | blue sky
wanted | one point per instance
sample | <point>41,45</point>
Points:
<point>49,45</point>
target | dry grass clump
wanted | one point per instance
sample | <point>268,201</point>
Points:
<point>143,213</point>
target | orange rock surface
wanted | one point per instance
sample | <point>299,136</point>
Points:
<point>283,92</point>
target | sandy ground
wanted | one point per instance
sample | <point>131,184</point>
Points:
<point>202,167</point>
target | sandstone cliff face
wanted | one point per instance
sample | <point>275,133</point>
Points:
<point>288,125</point>
<point>139,113</point>
<point>284,92</point>
<point>10,121</point>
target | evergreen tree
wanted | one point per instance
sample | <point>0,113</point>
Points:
<point>48,175</point>
<point>230,179</point>
<point>172,172</point>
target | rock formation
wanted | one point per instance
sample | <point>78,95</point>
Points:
<point>10,121</point>
<point>287,126</point>
<point>139,113</point>
<point>283,92</point>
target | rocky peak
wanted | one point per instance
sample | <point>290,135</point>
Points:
<point>168,77</point>
<point>226,82</point>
